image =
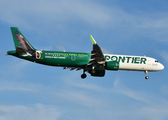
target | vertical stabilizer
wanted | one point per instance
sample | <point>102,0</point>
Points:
<point>21,42</point>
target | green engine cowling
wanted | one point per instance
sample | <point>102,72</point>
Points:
<point>98,71</point>
<point>112,65</point>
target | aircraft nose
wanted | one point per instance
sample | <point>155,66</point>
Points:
<point>161,66</point>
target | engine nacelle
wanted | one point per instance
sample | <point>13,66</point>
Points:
<point>97,71</point>
<point>112,65</point>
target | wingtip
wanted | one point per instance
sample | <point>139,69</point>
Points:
<point>92,39</point>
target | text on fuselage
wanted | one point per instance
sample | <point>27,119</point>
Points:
<point>126,59</point>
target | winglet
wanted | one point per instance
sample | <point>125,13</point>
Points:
<point>92,39</point>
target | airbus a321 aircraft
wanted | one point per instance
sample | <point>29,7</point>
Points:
<point>95,63</point>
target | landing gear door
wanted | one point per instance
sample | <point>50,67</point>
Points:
<point>38,54</point>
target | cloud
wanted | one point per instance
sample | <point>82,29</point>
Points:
<point>164,56</point>
<point>143,105</point>
<point>52,11</point>
<point>89,100</point>
<point>77,84</point>
<point>155,111</point>
<point>61,48</point>
<point>14,67</point>
<point>153,108</point>
<point>5,85</point>
<point>59,12</point>
<point>139,96</point>
<point>65,15</point>
<point>34,112</point>
<point>117,88</point>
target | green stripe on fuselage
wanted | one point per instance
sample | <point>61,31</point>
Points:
<point>56,58</point>
<point>70,59</point>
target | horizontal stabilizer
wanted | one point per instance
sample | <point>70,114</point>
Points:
<point>20,51</point>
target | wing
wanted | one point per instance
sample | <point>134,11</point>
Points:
<point>73,68</point>
<point>97,57</point>
<point>96,65</point>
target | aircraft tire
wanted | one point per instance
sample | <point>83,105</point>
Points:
<point>83,76</point>
<point>146,77</point>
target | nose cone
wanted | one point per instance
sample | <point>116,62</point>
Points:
<point>161,67</point>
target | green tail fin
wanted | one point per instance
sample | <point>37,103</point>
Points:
<point>20,40</point>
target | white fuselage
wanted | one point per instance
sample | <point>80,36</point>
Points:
<point>136,63</point>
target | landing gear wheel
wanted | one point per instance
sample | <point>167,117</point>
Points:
<point>83,76</point>
<point>146,77</point>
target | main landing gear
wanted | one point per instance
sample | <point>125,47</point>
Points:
<point>83,76</point>
<point>146,75</point>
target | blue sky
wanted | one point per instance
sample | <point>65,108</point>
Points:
<point>38,92</point>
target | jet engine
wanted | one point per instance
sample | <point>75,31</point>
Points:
<point>112,65</point>
<point>97,71</point>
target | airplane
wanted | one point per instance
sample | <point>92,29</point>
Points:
<point>95,63</point>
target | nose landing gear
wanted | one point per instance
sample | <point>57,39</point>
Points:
<point>146,75</point>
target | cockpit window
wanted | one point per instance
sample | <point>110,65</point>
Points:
<point>156,61</point>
